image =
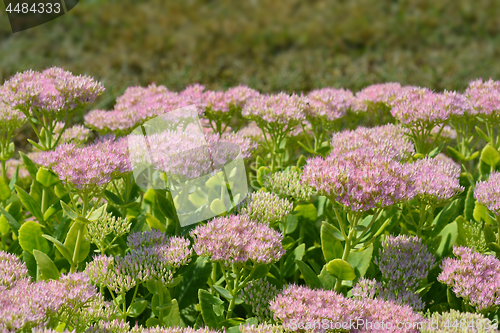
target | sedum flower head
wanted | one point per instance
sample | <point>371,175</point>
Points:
<point>474,236</point>
<point>377,92</point>
<point>280,109</point>
<point>88,167</point>
<point>51,92</point>
<point>488,192</point>
<point>436,180</point>
<point>473,276</point>
<point>298,304</point>
<point>484,97</point>
<point>414,106</point>
<point>455,321</point>
<point>404,259</point>
<point>258,294</point>
<point>77,134</point>
<point>287,184</point>
<point>12,270</point>
<point>246,145</point>
<point>104,271</point>
<point>252,131</point>
<point>262,328</point>
<point>328,103</point>
<point>393,292</point>
<point>267,208</point>
<point>360,180</point>
<point>113,326</point>
<point>387,140</point>
<point>154,257</point>
<point>240,95</point>
<point>10,120</point>
<point>236,239</point>
<point>107,224</point>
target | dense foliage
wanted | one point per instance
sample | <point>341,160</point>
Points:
<point>348,228</point>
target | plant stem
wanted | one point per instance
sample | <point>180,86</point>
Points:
<point>77,246</point>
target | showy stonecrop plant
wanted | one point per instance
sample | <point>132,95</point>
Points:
<point>242,248</point>
<point>48,97</point>
<point>95,245</point>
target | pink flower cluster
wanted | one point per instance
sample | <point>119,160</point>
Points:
<point>134,107</point>
<point>303,305</point>
<point>27,305</point>
<point>404,259</point>
<point>388,140</point>
<point>280,109</point>
<point>484,97</point>
<point>488,193</point>
<point>473,276</point>
<point>12,270</point>
<point>222,101</point>
<point>436,180</point>
<point>10,120</point>
<point>413,106</point>
<point>52,91</point>
<point>236,239</point>
<point>360,180</point>
<point>329,103</point>
<point>377,92</point>
<point>88,167</point>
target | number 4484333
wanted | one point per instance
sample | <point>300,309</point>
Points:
<point>40,8</point>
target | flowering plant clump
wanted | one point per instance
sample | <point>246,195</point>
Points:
<point>210,211</point>
<point>473,276</point>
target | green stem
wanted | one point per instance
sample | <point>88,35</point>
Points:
<point>345,256</point>
<point>79,238</point>
<point>45,200</point>
<point>4,171</point>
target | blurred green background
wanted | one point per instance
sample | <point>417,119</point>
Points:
<point>270,45</point>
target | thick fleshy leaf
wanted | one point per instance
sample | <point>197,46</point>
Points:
<point>46,177</point>
<point>290,266</point>
<point>137,308</point>
<point>330,244</point>
<point>5,191</point>
<point>341,269</point>
<point>30,204</point>
<point>490,156</point>
<point>61,247</point>
<point>71,238</point>
<point>30,238</point>
<point>361,260</point>
<point>308,274</point>
<point>46,266</point>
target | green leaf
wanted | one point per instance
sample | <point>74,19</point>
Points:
<point>330,245</point>
<point>306,211</point>
<point>489,235</point>
<point>175,281</point>
<point>70,241</point>
<point>449,237</point>
<point>46,266</point>
<point>490,156</point>
<point>433,153</point>
<point>223,292</point>
<point>455,153</point>
<point>472,157</point>
<point>327,281</point>
<point>5,191</point>
<point>306,148</point>
<point>482,134</point>
<point>166,207</point>
<point>30,204</point>
<point>60,246</point>
<point>260,271</point>
<point>262,172</point>
<point>96,214</point>
<point>173,318</point>
<point>308,274</point>
<point>361,260</point>
<point>341,270</point>
<point>217,207</point>
<point>335,232</point>
<point>36,145</point>
<point>461,232</point>
<point>290,266</point>
<point>13,180</point>
<point>68,211</point>
<point>232,324</point>
<point>154,322</point>
<point>453,301</point>
<point>469,204</point>
<point>481,212</point>
<point>113,198</point>
<point>46,177</point>
<point>494,247</point>
<point>10,220</point>
<point>30,238</point>
<point>154,223</point>
<point>195,278</point>
<point>207,302</point>
<point>30,166</point>
<point>136,308</point>
<point>444,216</point>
